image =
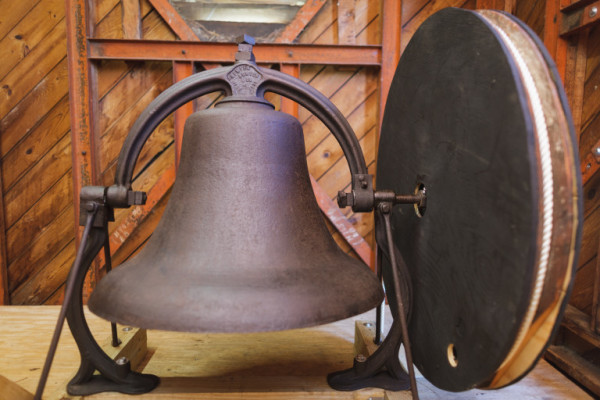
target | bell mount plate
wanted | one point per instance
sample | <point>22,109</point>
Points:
<point>477,116</point>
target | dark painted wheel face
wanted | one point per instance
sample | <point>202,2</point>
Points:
<point>489,141</point>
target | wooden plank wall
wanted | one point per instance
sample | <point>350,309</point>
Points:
<point>34,122</point>
<point>35,148</point>
<point>583,291</point>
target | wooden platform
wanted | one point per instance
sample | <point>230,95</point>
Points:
<point>275,365</point>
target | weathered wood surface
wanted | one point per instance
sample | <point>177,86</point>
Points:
<point>274,365</point>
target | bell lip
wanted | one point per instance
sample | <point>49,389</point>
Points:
<point>208,328</point>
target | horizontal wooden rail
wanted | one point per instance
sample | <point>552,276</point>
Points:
<point>119,49</point>
<point>579,16</point>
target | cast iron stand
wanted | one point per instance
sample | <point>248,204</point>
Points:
<point>383,369</point>
<point>114,376</point>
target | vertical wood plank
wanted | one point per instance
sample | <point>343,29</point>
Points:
<point>345,19</point>
<point>574,79</point>
<point>555,45</point>
<point>4,294</point>
<point>390,44</point>
<point>595,320</point>
<point>287,105</point>
<point>485,4</point>
<point>132,21</point>
<point>181,70</point>
<point>82,79</point>
<point>302,18</point>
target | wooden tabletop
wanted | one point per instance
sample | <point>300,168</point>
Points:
<point>275,365</point>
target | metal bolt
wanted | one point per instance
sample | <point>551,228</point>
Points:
<point>83,153</point>
<point>363,184</point>
<point>385,208</point>
<point>368,324</point>
<point>127,329</point>
<point>597,151</point>
<point>122,361</point>
<point>593,11</point>
<point>361,358</point>
<point>588,166</point>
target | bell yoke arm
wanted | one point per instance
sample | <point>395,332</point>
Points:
<point>247,80</point>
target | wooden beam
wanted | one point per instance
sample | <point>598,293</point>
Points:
<point>131,222</point>
<point>570,5</point>
<point>595,319</point>
<point>132,21</point>
<point>300,21</point>
<point>13,391</point>
<point>578,18</point>
<point>576,62</point>
<point>390,43</point>
<point>345,21</point>
<point>343,226</point>
<point>287,105</point>
<point>181,70</point>
<point>555,45</point>
<point>117,49</point>
<point>590,163</point>
<point>174,20</point>
<point>4,293</point>
<point>82,100</point>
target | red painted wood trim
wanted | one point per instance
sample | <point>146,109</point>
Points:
<point>287,105</point>
<point>154,195</point>
<point>82,78</point>
<point>118,49</point>
<point>390,51</point>
<point>343,226</point>
<point>174,20</point>
<point>181,70</point>
<point>300,21</point>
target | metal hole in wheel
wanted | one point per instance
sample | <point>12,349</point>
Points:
<point>420,209</point>
<point>452,358</point>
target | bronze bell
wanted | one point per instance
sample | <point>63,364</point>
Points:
<point>242,245</point>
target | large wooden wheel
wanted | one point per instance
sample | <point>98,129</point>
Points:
<point>477,116</point>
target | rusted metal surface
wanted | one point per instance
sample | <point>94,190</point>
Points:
<point>302,18</point>
<point>100,49</point>
<point>181,70</point>
<point>576,19</point>
<point>390,42</point>
<point>173,19</point>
